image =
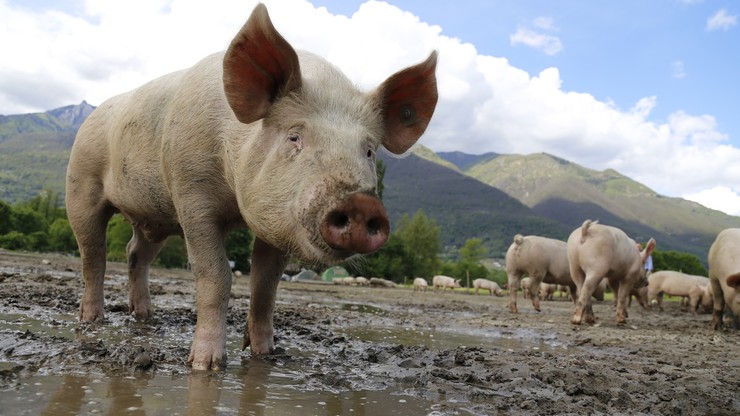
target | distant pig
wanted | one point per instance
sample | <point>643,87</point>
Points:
<point>420,284</point>
<point>674,283</point>
<point>445,282</point>
<point>724,275</point>
<point>547,290</point>
<point>701,295</point>
<point>596,251</point>
<point>260,136</point>
<point>489,285</point>
<point>543,260</point>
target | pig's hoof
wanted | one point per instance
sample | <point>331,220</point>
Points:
<point>214,363</point>
<point>91,314</point>
<point>141,314</point>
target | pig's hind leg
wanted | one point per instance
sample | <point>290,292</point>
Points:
<point>88,217</point>
<point>268,264</point>
<point>141,253</point>
<point>584,311</point>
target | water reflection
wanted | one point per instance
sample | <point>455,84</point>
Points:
<point>256,386</point>
<point>69,398</point>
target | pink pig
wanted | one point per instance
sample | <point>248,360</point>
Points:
<point>261,136</point>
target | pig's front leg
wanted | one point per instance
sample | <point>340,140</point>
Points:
<point>268,264</point>
<point>213,288</point>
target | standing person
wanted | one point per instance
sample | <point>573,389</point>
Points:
<point>648,264</point>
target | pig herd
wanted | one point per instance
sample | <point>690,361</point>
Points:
<point>596,254</point>
<point>280,141</point>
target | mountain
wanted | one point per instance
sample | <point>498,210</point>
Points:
<point>491,196</point>
<point>34,150</point>
<point>569,193</point>
<point>463,161</point>
<point>462,207</point>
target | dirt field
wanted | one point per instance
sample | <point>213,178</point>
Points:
<point>437,353</point>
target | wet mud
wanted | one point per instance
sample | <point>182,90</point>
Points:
<point>351,350</point>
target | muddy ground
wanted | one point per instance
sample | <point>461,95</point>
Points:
<point>452,352</point>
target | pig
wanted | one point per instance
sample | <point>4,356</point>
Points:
<point>547,290</point>
<point>674,283</point>
<point>543,260</point>
<point>701,295</point>
<point>724,275</point>
<point>420,284</point>
<point>525,284</point>
<point>362,281</point>
<point>380,282</point>
<point>445,282</point>
<point>259,136</point>
<point>596,251</point>
<point>491,286</point>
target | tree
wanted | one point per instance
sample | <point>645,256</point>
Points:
<point>173,254</point>
<point>26,221</point>
<point>469,264</point>
<point>14,240</point>
<point>682,262</point>
<point>6,218</point>
<point>61,237</point>
<point>386,262</point>
<point>420,238</point>
<point>118,234</point>
<point>239,244</point>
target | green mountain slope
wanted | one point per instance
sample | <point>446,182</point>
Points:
<point>463,207</point>
<point>491,196</point>
<point>569,193</point>
<point>34,150</point>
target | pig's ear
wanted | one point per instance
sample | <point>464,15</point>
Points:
<point>408,98</point>
<point>649,247</point>
<point>260,66</point>
<point>734,280</point>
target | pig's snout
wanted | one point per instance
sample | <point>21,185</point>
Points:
<point>358,224</point>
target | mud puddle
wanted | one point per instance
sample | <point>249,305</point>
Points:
<point>253,388</point>
<point>350,350</point>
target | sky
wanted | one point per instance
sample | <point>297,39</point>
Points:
<point>648,88</point>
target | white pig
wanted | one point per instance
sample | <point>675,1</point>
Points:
<point>543,260</point>
<point>260,136</point>
<point>491,286</point>
<point>701,295</point>
<point>724,274</point>
<point>547,290</point>
<point>445,282</point>
<point>596,251</point>
<point>420,284</point>
<point>674,283</point>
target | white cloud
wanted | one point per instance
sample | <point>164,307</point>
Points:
<point>548,44</point>
<point>720,198</point>
<point>678,70</point>
<point>544,22</point>
<point>486,104</point>
<point>721,21</point>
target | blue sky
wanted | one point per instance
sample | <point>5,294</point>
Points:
<point>618,51</point>
<point>649,88</point>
